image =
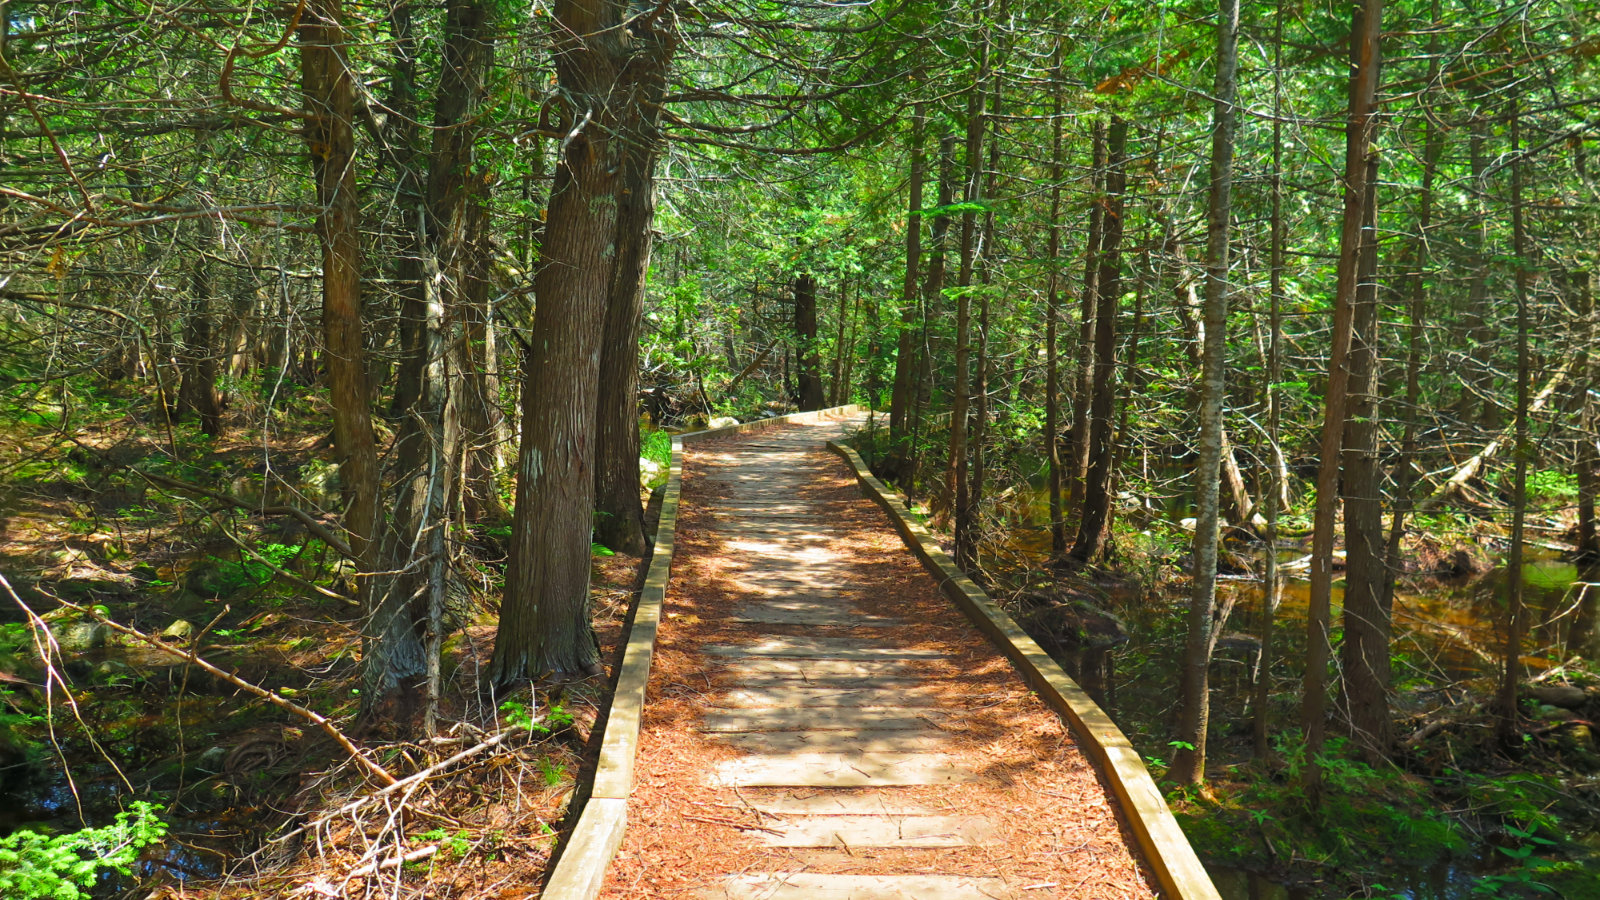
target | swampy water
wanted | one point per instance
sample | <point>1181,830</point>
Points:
<point>1448,640</point>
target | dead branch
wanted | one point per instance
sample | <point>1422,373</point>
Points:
<point>305,518</point>
<point>270,696</point>
<point>1456,484</point>
<point>402,784</point>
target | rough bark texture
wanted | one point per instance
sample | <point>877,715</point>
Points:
<point>619,519</point>
<point>544,620</point>
<point>329,101</point>
<point>808,355</point>
<point>1360,122</point>
<point>1364,655</point>
<point>1194,709</point>
<point>1095,523</point>
<point>400,139</point>
<point>458,240</point>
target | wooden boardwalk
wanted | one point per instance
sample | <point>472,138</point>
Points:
<point>821,723</point>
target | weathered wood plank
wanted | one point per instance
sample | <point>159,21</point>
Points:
<point>809,886</point>
<point>841,770</point>
<point>878,831</point>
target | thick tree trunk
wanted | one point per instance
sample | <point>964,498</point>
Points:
<point>1078,470</point>
<point>544,619</point>
<point>329,100</point>
<point>808,353</point>
<point>1364,654</point>
<point>619,520</point>
<point>1365,29</point>
<point>1094,525</point>
<point>1194,709</point>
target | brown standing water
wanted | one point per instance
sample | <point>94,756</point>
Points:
<point>1448,636</point>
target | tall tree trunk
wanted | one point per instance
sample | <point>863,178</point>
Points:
<point>932,294</point>
<point>905,360</point>
<point>402,632</point>
<point>619,523</point>
<point>1078,472</point>
<point>199,360</point>
<point>1516,614</point>
<point>1472,407</point>
<point>1272,588</point>
<point>401,140</point>
<point>544,619</point>
<point>1052,389</point>
<point>980,396</point>
<point>808,352</point>
<point>458,240</point>
<point>1365,29</point>
<point>1194,710</point>
<point>958,471</point>
<point>1236,503</point>
<point>1364,654</point>
<point>1094,525</point>
<point>329,100</point>
<point>1588,459</point>
<point>851,339</point>
<point>484,430</point>
<point>837,374</point>
<point>1416,288</point>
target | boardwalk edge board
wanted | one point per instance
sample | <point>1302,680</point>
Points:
<point>1177,869</point>
<point>580,872</point>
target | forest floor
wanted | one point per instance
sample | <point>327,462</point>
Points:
<point>113,720</point>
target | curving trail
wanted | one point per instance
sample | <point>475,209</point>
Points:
<point>821,723</point>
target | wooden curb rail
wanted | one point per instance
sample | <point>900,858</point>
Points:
<point>1177,869</point>
<point>581,871</point>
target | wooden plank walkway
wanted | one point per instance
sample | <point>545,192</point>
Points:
<point>822,723</point>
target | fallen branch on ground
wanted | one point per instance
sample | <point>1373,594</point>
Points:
<point>305,518</point>
<point>1470,469</point>
<point>402,784</point>
<point>272,697</point>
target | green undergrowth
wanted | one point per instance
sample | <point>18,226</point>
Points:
<point>1373,822</point>
<point>36,866</point>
